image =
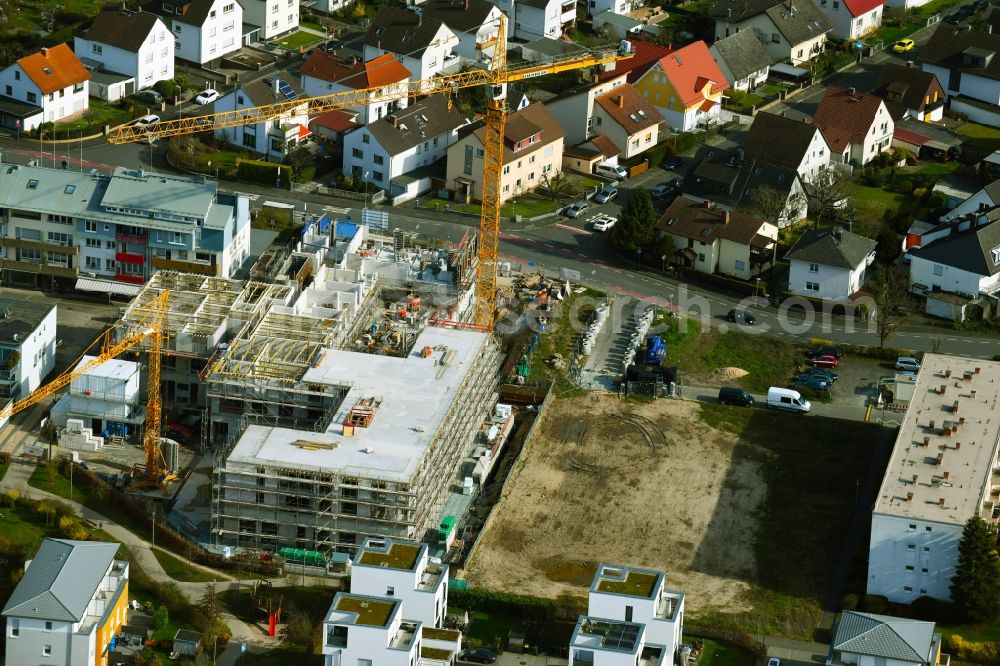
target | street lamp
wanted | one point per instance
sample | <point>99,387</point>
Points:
<point>756,288</point>
<point>664,264</point>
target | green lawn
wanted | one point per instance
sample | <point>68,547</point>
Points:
<point>311,25</point>
<point>180,570</point>
<point>890,34</point>
<point>561,336</point>
<point>812,466</point>
<point>981,633</point>
<point>99,113</point>
<point>314,601</point>
<point>192,154</point>
<point>874,201</point>
<point>772,89</point>
<point>297,40</point>
<point>19,526</point>
<point>935,7</point>
<point>723,654</point>
<point>976,131</point>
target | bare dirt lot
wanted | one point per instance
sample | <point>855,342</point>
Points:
<point>622,482</point>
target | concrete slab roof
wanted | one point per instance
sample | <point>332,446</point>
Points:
<point>20,317</point>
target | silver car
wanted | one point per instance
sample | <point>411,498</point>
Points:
<point>907,364</point>
<point>577,209</point>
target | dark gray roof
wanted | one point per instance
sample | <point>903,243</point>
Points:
<point>458,15</point>
<point>401,31</point>
<point>832,247</point>
<point>799,20</point>
<point>743,53</point>
<point>187,636</point>
<point>261,91</point>
<point>735,11</point>
<point>947,45</point>
<point>428,118</point>
<point>974,250</point>
<point>61,580</point>
<point>905,88</point>
<point>779,140</point>
<point>124,29</point>
<point>883,636</point>
<point>25,316</point>
<point>730,177</point>
<point>195,13</point>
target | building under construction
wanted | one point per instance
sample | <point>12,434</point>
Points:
<point>342,397</point>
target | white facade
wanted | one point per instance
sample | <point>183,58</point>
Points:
<point>845,24</point>
<point>941,277</point>
<point>595,7</point>
<point>153,62</point>
<point>829,283</point>
<point>471,45</point>
<point>27,349</point>
<point>440,54</point>
<point>69,101</point>
<point>533,21</point>
<point>389,98</point>
<point>219,35</point>
<point>274,17</point>
<point>576,112</point>
<point>274,138</point>
<point>422,586</point>
<point>747,83</point>
<point>970,85</point>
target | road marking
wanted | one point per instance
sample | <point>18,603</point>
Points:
<point>576,230</point>
<point>334,209</point>
<point>251,197</point>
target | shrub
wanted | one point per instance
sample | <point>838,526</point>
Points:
<point>167,88</point>
<point>161,618</point>
<point>265,173</point>
<point>849,602</point>
<point>732,284</point>
<point>305,174</point>
<point>971,651</point>
<point>931,609</point>
<point>874,603</point>
<point>502,602</point>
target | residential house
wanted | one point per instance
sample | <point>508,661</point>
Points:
<point>476,23</point>
<point>743,60</point>
<point>965,262</point>
<point>532,151</point>
<point>106,400</point>
<point>584,157</point>
<point>792,31</point>
<point>333,125</point>
<point>965,62</point>
<point>425,45</point>
<point>852,19</point>
<point>53,79</point>
<point>408,141</point>
<point>628,120</point>
<point>856,125</point>
<point>910,92</point>
<point>574,109</point>
<point>27,347</point>
<point>905,4</point>
<point>529,20</point>
<point>787,142</point>
<point>62,225</point>
<point>327,73</point>
<point>644,56</point>
<point>67,607</point>
<point>925,139</point>
<point>986,198</point>
<point>403,570</point>
<point>829,264</point>
<point>868,638</point>
<point>713,240</point>
<point>686,87</point>
<point>631,618</point>
<point>134,43</point>
<point>595,7</point>
<point>276,137</point>
<point>273,17</point>
<point>204,30</point>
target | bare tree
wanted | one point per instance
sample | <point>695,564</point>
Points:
<point>827,191</point>
<point>771,205</point>
<point>559,185</point>
<point>891,300</point>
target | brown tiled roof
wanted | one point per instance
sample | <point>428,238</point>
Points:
<point>703,221</point>
<point>126,30</point>
<point>645,55</point>
<point>911,84</point>
<point>54,68</point>
<point>845,117</point>
<point>537,115</point>
<point>629,109</point>
<point>606,145</point>
<point>353,73</point>
<point>338,121</point>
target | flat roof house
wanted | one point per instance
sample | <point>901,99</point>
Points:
<point>27,346</point>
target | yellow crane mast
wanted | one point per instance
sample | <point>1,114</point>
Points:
<point>152,327</point>
<point>497,75</point>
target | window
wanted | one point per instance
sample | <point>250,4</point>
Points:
<point>228,8</point>
<point>390,591</point>
<point>701,256</point>
<point>378,176</point>
<point>365,138</point>
<point>775,37</point>
<point>812,286</point>
<point>911,546</point>
<point>32,98</point>
<point>48,627</point>
<point>506,170</point>
<point>379,159</point>
<point>60,238</point>
<point>907,588</point>
<point>740,265</point>
<point>909,567</point>
<point>109,264</point>
<point>96,48</point>
<point>923,570</point>
<point>9,91</point>
<point>89,225</point>
<point>531,160</point>
<point>274,9</point>
<point>814,268</point>
<point>628,613</point>
<point>836,5</point>
<point>93,263</point>
<point>47,649</point>
<point>15,627</point>
<point>927,528</point>
<point>912,526</point>
<point>357,153</point>
<point>274,24</point>
<point>94,242</point>
<point>938,269</point>
<point>479,152</point>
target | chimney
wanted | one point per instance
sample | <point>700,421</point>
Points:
<point>909,497</point>
<point>944,388</point>
<point>725,217</point>
<point>852,91</point>
<point>973,394</point>
<point>945,475</point>
<point>620,101</point>
<point>709,205</point>
<point>977,370</point>
<point>44,51</point>
<point>392,119</point>
<point>941,502</point>
<point>927,441</point>
<point>909,64</point>
<point>958,445</point>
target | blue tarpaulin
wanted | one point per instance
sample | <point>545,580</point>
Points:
<point>324,224</point>
<point>345,230</point>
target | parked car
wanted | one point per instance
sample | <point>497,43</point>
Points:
<point>730,395</point>
<point>662,190</point>
<point>606,194</point>
<point>903,45</point>
<point>787,399</point>
<point>825,373</point>
<point>604,222</point>
<point>150,119</point>
<point>908,364</point>
<point>614,171</point>
<point>813,382</point>
<point>773,661</point>
<point>741,317</point>
<point>149,96</point>
<point>478,655</point>
<point>206,96</point>
<point>825,351</point>
<point>577,209</point>
<point>824,362</point>
<point>673,163</point>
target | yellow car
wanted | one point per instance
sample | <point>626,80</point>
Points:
<point>903,45</point>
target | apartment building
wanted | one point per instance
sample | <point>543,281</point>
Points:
<point>68,606</point>
<point>942,472</point>
<point>631,619</point>
<point>134,43</point>
<point>27,346</point>
<point>53,80</point>
<point>60,225</point>
<point>274,17</point>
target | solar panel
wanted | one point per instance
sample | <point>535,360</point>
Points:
<point>287,90</point>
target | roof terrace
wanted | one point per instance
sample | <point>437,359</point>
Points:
<point>599,633</point>
<point>631,582</point>
<point>390,555</point>
<point>368,611</point>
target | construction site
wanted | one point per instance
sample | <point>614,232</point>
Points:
<point>346,398</point>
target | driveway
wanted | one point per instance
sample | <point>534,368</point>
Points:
<point>796,653</point>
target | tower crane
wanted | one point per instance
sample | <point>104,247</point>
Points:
<point>496,75</point>
<point>151,327</point>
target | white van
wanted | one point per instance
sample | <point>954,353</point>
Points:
<point>612,171</point>
<point>782,398</point>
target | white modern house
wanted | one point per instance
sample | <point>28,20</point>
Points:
<point>793,31</point>
<point>867,638</point>
<point>327,73</point>
<point>476,23</point>
<point>966,262</point>
<point>965,62</point>
<point>852,19</point>
<point>857,125</point>
<point>53,79</point>
<point>204,30</point>
<point>829,264</point>
<point>574,109</point>
<point>274,17</point>
<point>402,570</point>
<point>939,476</point>
<point>743,60</point>
<point>137,44</point>
<point>529,20</point>
<point>27,346</point>
<point>425,46</point>
<point>985,198</point>
<point>276,137</point>
<point>105,401</point>
<point>70,603</point>
<point>408,139</point>
<point>631,618</point>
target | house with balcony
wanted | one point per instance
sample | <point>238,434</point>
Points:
<point>631,619</point>
<point>910,92</point>
<point>204,30</point>
<point>68,606</point>
<point>529,20</point>
<point>136,44</point>
<point>476,23</point>
<point>792,31</point>
<point>273,17</point>
<point>53,80</point>
<point>402,570</point>
<point>27,347</point>
<point>276,137</point>
<point>965,62</point>
<point>686,87</point>
<point>861,638</point>
<point>424,45</point>
<point>111,233</point>
<point>857,126</point>
<point>829,264</point>
<point>106,401</point>
<point>575,109</point>
<point>328,73</point>
<point>743,60</point>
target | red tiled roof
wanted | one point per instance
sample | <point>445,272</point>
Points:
<point>338,121</point>
<point>629,109</point>
<point>605,145</point>
<point>54,68</point>
<point>862,7</point>
<point>707,105</point>
<point>909,136</point>
<point>690,70</point>
<point>353,73</point>
<point>845,118</point>
<point>646,54</point>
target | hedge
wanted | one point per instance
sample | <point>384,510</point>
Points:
<point>264,173</point>
<point>502,602</point>
<point>728,283</point>
<point>834,308</point>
